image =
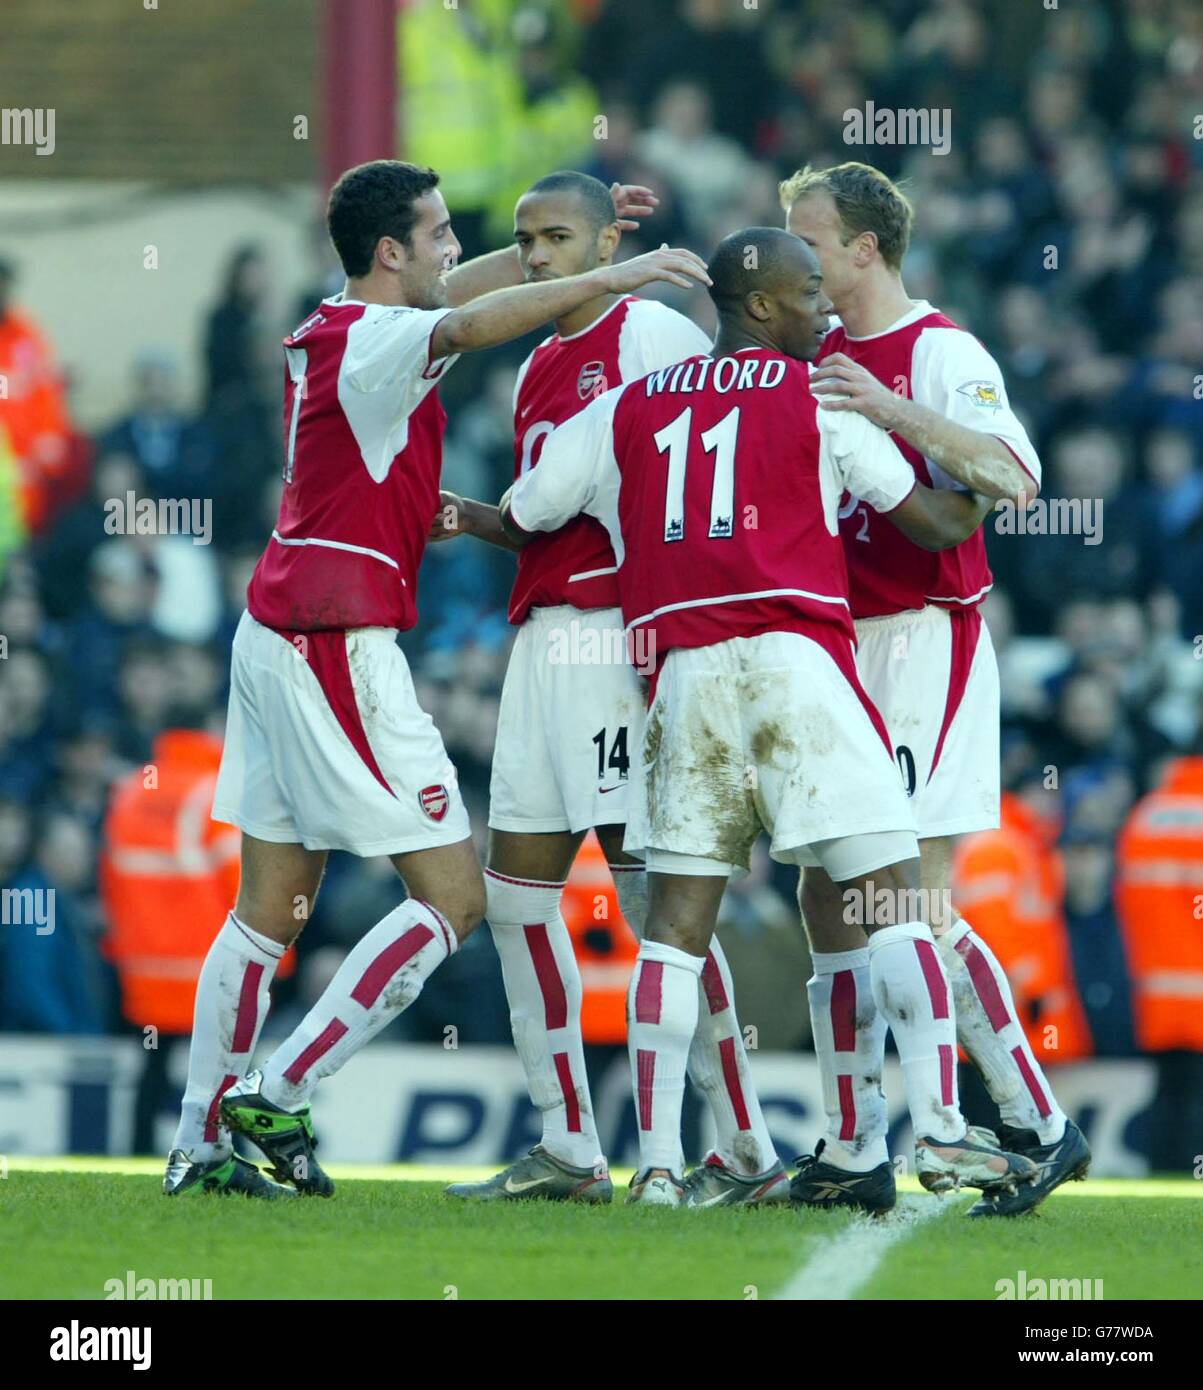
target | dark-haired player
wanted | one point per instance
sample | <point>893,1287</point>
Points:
<point>326,745</point>
<point>926,660</point>
<point>718,481</point>
<point>571,719</point>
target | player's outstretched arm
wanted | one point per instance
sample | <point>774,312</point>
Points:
<point>495,270</point>
<point>974,458</point>
<point>506,314</point>
<point>939,518</point>
<point>463,516</point>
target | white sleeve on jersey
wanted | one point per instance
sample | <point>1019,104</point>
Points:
<point>954,375</point>
<point>577,472</point>
<point>390,347</point>
<point>655,336</point>
<point>857,455</point>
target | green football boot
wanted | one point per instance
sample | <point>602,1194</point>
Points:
<point>286,1137</point>
<point>223,1176</point>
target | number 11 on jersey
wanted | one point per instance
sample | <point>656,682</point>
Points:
<point>673,439</point>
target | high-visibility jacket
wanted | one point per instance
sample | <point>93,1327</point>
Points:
<point>168,877</point>
<point>1009,884</point>
<point>1159,896</point>
<point>33,415</point>
<point>459,93</point>
<point>465,112</point>
<point>605,946</point>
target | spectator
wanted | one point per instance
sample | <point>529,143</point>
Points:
<point>235,355</point>
<point>173,452</point>
<point>1095,945</point>
<point>45,956</point>
<point>121,589</point>
<point>710,171</point>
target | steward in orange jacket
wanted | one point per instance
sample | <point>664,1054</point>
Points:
<point>1159,896</point>
<point>605,946</point>
<point>168,877</point>
<point>33,411</point>
<point>1009,883</point>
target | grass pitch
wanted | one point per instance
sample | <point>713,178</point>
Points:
<point>390,1234</point>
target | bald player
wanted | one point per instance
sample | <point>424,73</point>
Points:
<point>718,482</point>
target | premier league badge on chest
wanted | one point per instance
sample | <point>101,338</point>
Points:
<point>592,380</point>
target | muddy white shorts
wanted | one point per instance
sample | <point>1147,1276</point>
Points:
<point>327,746</point>
<point>933,675</point>
<point>570,723</point>
<point>769,732</point>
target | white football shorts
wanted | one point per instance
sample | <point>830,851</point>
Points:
<point>327,746</point>
<point>764,732</point>
<point>933,675</point>
<point>570,724</point>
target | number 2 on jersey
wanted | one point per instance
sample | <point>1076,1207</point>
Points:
<point>852,506</point>
<point>673,439</point>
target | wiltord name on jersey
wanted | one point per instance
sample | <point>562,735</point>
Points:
<point>722,374</point>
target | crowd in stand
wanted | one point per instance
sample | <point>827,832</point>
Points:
<point>1064,226</point>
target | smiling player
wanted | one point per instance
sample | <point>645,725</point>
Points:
<point>326,746</point>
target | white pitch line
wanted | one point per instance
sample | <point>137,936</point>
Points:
<point>842,1264</point>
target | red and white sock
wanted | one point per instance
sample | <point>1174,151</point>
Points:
<point>850,1044</point>
<point>718,1066</point>
<point>232,998</point>
<point>911,992</point>
<point>383,975</point>
<point>718,1061</point>
<point>989,1030</point>
<point>662,1017</point>
<point>543,986</point>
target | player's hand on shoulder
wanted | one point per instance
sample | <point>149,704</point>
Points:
<point>842,384</point>
<point>632,200</point>
<point>446,521</point>
<point>674,264</point>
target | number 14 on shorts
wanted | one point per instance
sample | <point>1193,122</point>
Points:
<point>618,759</point>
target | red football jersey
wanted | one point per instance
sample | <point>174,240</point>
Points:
<point>718,481</point>
<point>363,437</point>
<point>575,565</point>
<point>927,357</point>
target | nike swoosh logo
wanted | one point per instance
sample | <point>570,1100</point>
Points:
<point>710,1201</point>
<point>604,790</point>
<point>515,1187</point>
